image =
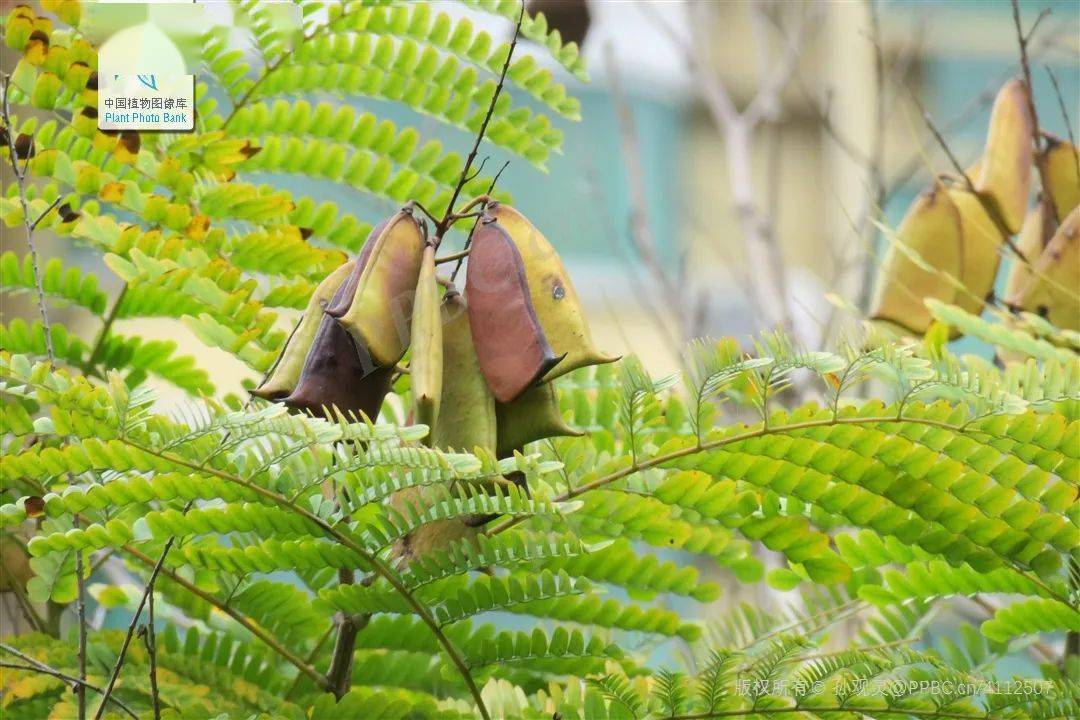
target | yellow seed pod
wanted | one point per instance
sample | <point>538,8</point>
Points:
<point>378,315</point>
<point>426,365</point>
<point>1005,172</point>
<point>282,380</point>
<point>981,257</point>
<point>918,265</point>
<point>1052,285</point>
<point>553,295</point>
<point>1059,167</point>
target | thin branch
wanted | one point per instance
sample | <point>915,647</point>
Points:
<point>445,223</point>
<point>149,589</point>
<point>468,240</point>
<point>103,334</point>
<point>991,210</point>
<point>80,613</point>
<point>1029,90</point>
<point>40,667</point>
<point>304,667</point>
<point>150,638</point>
<point>452,257</point>
<point>309,660</point>
<point>28,225</point>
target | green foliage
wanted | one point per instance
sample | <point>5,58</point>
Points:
<point>275,530</point>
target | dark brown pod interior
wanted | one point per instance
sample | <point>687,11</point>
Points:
<point>336,374</point>
<point>510,343</point>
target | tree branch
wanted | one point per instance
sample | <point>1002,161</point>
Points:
<point>28,225</point>
<point>447,220</point>
<point>40,667</point>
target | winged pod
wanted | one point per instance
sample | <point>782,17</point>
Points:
<point>982,240</point>
<point>553,295</point>
<point>1004,175</point>
<point>1049,288</point>
<point>511,345</point>
<point>426,365</point>
<point>338,370</point>
<point>1061,170</point>
<point>533,416</point>
<point>466,421</point>
<point>931,231</point>
<point>467,414</point>
<point>286,372</point>
<point>377,315</point>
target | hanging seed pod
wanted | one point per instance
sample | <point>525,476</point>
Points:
<point>510,342</point>
<point>553,295</point>
<point>533,416</point>
<point>426,366</point>
<point>1049,288</point>
<point>286,373</point>
<point>981,256</point>
<point>931,246</point>
<point>1005,171</point>
<point>336,374</point>
<point>1059,167</point>
<point>467,413</point>
<point>378,314</point>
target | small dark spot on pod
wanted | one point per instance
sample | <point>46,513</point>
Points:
<point>91,82</point>
<point>40,36</point>
<point>131,141</point>
<point>306,232</point>
<point>250,150</point>
<point>1042,310</point>
<point>66,213</point>
<point>24,146</point>
<point>89,112</point>
<point>558,291</point>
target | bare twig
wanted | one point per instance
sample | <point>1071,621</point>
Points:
<point>80,613</point>
<point>150,638</point>
<point>254,629</point>
<point>465,252</point>
<point>309,660</point>
<point>103,334</point>
<point>134,624</point>
<point>33,665</point>
<point>28,224</point>
<point>445,223</point>
<point>1029,91</point>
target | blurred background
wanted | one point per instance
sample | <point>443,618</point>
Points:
<point>729,162</point>
<point>731,153</point>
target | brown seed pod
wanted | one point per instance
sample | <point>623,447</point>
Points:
<point>339,372</point>
<point>510,343</point>
<point>378,315</point>
<point>24,146</point>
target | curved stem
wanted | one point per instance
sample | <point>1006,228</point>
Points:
<point>247,624</point>
<point>34,666</point>
<point>377,565</point>
<point>638,466</point>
